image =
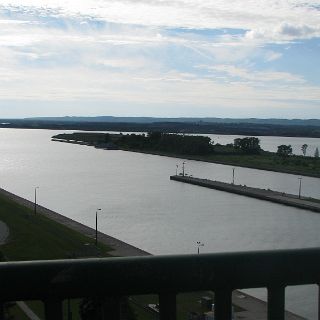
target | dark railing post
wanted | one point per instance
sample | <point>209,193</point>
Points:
<point>223,304</point>
<point>53,309</point>
<point>276,303</point>
<point>318,302</point>
<point>110,308</point>
<point>69,312</point>
<point>1,310</point>
<point>168,306</point>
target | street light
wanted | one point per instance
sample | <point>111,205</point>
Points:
<point>199,244</point>
<point>233,175</point>
<point>35,200</point>
<point>177,166</point>
<point>97,226</point>
<point>183,163</point>
<point>300,187</point>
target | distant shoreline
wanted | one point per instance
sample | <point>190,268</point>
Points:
<point>306,130</point>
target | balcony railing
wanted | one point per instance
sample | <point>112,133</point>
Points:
<point>54,281</point>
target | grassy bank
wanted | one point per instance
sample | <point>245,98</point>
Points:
<point>266,161</point>
<point>35,237</point>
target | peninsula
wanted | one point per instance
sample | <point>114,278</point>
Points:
<point>244,152</point>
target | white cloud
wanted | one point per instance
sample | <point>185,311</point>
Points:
<point>146,87</point>
<point>284,32</point>
<point>256,76</point>
<point>292,18</point>
<point>272,55</point>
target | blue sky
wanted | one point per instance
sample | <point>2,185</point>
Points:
<point>160,58</point>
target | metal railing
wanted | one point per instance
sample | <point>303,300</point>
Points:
<point>54,281</point>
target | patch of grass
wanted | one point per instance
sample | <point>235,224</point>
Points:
<point>36,237</point>
<point>270,161</point>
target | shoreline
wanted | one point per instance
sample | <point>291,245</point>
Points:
<point>119,248</point>
<point>232,164</point>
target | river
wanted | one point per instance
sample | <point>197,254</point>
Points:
<point>141,206</point>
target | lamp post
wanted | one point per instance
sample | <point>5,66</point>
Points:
<point>97,226</point>
<point>233,175</point>
<point>199,244</point>
<point>183,163</point>
<point>35,200</point>
<point>177,166</point>
<point>300,187</point>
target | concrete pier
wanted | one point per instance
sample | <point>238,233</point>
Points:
<point>268,195</point>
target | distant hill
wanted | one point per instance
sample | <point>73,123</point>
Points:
<point>111,119</point>
<point>304,128</point>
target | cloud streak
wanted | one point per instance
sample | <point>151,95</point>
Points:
<point>291,18</point>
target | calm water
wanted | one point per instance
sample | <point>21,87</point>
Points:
<point>140,205</point>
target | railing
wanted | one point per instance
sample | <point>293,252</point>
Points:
<point>54,281</point>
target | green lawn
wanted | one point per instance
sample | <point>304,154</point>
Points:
<point>35,237</point>
<point>299,165</point>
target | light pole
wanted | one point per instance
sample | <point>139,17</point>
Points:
<point>233,175</point>
<point>183,163</point>
<point>199,244</point>
<point>300,187</point>
<point>35,200</point>
<point>177,166</point>
<point>97,226</point>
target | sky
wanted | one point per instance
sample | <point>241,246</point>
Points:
<point>197,58</point>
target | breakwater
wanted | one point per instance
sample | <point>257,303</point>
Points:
<point>262,194</point>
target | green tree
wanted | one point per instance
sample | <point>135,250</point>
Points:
<point>154,135</point>
<point>248,145</point>
<point>304,149</point>
<point>284,151</point>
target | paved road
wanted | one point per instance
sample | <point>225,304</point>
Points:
<point>4,232</point>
